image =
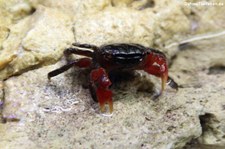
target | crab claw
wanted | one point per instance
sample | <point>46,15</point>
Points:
<point>164,80</point>
<point>100,83</point>
<point>172,83</point>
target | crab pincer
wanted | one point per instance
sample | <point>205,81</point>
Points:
<point>100,82</point>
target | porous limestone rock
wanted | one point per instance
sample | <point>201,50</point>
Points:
<point>36,40</point>
<point>206,18</point>
<point>10,12</point>
<point>62,114</point>
<point>200,67</point>
<point>4,32</point>
<point>40,38</point>
<point>115,25</point>
<point>1,99</point>
<point>119,24</point>
<point>75,9</point>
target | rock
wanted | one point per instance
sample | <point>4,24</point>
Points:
<point>10,12</point>
<point>199,17</point>
<point>73,8</point>
<point>40,38</point>
<point>1,99</point>
<point>61,113</point>
<point>46,119</point>
<point>36,40</point>
<point>147,27</point>
<point>115,25</point>
<point>205,77</point>
<point>4,32</point>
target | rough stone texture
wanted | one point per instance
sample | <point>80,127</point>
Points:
<point>1,99</point>
<point>4,32</point>
<point>81,125</point>
<point>116,25</point>
<point>39,39</point>
<point>122,23</point>
<point>14,10</point>
<point>73,8</point>
<point>36,40</point>
<point>206,18</point>
<point>11,11</point>
<point>61,113</point>
<point>169,122</point>
<point>206,77</point>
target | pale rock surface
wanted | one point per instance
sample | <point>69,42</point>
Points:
<point>36,40</point>
<point>62,114</point>
<point>40,38</point>
<point>201,69</point>
<point>45,113</point>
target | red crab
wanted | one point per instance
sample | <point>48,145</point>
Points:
<point>115,57</point>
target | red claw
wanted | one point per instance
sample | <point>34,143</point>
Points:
<point>100,80</point>
<point>156,65</point>
<point>105,96</point>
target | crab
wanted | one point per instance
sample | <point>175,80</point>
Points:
<point>115,57</point>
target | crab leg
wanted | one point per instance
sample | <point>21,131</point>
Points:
<point>88,46</point>
<point>100,83</point>
<point>82,63</point>
<point>172,83</point>
<point>70,51</point>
